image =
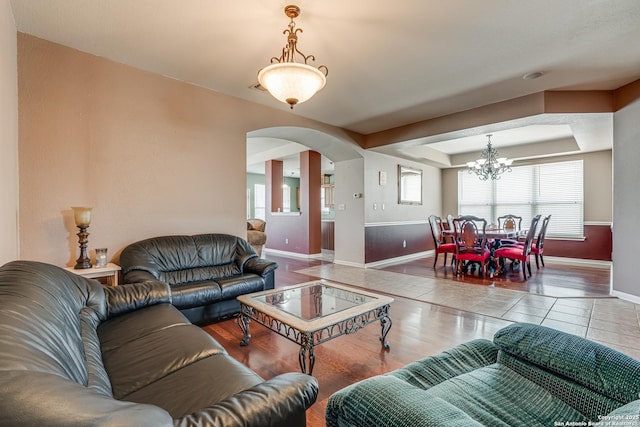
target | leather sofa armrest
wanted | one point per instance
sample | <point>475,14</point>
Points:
<point>136,276</point>
<point>260,266</point>
<point>125,298</point>
<point>41,398</point>
<point>280,401</point>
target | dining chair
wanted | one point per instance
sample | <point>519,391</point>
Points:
<point>510,222</point>
<point>450,221</point>
<point>470,242</point>
<point>537,248</point>
<point>439,242</point>
<point>519,252</point>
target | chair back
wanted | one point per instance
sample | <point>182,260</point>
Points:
<point>450,221</point>
<point>435,222</point>
<point>526,249</point>
<point>543,233</point>
<point>470,234</point>
<point>510,222</point>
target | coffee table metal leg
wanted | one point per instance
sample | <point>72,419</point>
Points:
<point>385,322</point>
<point>243,322</point>
<point>307,352</point>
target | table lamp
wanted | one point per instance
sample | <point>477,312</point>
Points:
<point>82,217</point>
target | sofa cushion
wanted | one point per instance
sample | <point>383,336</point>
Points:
<point>498,396</point>
<point>197,385</point>
<point>234,286</point>
<point>367,403</point>
<point>435,369</point>
<point>117,331</point>
<point>135,364</point>
<point>195,294</point>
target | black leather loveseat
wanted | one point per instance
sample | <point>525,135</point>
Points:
<point>206,272</point>
<point>75,353</point>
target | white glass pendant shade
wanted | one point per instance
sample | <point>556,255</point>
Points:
<point>291,82</point>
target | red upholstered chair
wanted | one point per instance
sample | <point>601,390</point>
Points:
<point>520,252</point>
<point>510,222</point>
<point>537,248</point>
<point>441,246</point>
<point>471,242</point>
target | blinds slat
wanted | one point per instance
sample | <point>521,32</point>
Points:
<point>555,189</point>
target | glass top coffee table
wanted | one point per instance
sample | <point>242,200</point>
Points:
<point>312,313</point>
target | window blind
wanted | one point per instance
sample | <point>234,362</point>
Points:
<point>555,189</point>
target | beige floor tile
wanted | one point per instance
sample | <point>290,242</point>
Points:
<point>568,317</point>
<point>631,352</point>
<point>570,328</point>
<point>622,317</point>
<point>624,329</point>
<point>522,317</point>
<point>614,338</point>
<point>576,311</point>
<point>539,301</point>
<point>527,309</point>
<point>585,303</point>
<point>613,302</point>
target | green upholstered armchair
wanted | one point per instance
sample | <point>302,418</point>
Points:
<point>529,375</point>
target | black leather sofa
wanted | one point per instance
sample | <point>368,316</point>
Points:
<point>206,272</point>
<point>75,353</point>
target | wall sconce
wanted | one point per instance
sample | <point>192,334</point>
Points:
<point>82,217</point>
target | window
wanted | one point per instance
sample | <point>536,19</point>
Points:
<point>547,189</point>
<point>259,201</point>
<point>286,198</point>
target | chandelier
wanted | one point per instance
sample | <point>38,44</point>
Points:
<point>287,79</point>
<point>489,165</point>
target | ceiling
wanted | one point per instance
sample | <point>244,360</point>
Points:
<point>390,63</point>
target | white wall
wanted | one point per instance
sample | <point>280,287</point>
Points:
<point>349,212</point>
<point>9,247</point>
<point>387,194</point>
<point>626,201</point>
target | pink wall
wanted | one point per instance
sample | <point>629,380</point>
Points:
<point>151,155</point>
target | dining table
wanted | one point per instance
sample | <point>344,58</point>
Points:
<point>493,236</point>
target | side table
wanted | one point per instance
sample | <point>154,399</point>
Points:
<point>110,272</point>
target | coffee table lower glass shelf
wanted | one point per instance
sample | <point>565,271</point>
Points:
<point>312,313</point>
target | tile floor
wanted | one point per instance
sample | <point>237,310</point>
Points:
<point>610,321</point>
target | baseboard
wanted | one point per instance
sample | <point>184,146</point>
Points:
<point>578,261</point>
<point>400,259</point>
<point>349,263</point>
<point>292,254</point>
<point>627,297</point>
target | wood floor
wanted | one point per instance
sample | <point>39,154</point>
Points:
<point>419,329</point>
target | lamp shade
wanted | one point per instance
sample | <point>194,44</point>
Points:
<point>82,215</point>
<point>291,82</point>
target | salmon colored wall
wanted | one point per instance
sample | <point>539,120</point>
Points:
<point>151,155</point>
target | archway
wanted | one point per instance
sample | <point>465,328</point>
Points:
<point>286,144</point>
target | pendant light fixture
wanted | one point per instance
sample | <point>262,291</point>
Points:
<point>489,165</point>
<point>290,78</point>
